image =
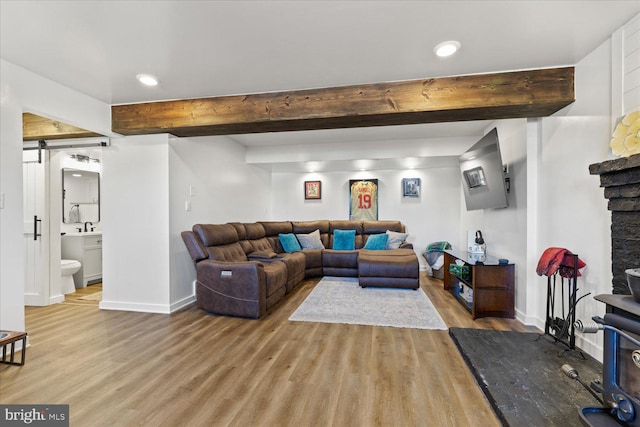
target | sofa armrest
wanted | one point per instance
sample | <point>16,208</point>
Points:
<point>196,249</point>
<point>233,288</point>
<point>261,255</point>
<point>406,245</point>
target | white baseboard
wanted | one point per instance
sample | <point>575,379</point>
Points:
<point>178,305</point>
<point>35,300</point>
<point>588,346</point>
<point>530,320</point>
<point>147,308</point>
<point>132,306</point>
<point>56,299</point>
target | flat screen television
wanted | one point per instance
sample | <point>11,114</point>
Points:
<point>482,174</point>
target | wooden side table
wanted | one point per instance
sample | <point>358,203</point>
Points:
<point>493,284</point>
<point>10,338</point>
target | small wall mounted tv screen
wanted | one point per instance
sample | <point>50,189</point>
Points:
<point>482,174</point>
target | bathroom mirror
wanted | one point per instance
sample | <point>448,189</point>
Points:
<point>80,196</point>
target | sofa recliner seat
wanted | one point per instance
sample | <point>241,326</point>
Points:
<point>395,268</point>
<point>243,270</point>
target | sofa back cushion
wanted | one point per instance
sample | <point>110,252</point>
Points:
<point>271,231</point>
<point>216,234</point>
<point>227,253</point>
<point>242,237</point>
<point>261,245</point>
<point>242,233</point>
<point>377,227</point>
<point>254,230</point>
<point>273,228</point>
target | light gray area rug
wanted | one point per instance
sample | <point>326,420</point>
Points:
<point>342,300</point>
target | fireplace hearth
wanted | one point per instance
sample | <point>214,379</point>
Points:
<point>621,181</point>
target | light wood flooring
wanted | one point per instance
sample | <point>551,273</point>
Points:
<point>77,296</point>
<point>191,368</point>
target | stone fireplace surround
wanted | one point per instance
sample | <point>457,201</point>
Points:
<point>621,181</point>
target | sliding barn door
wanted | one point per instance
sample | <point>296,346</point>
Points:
<point>36,229</point>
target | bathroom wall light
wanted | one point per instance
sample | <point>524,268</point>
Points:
<point>147,79</point>
<point>84,159</point>
<point>447,48</point>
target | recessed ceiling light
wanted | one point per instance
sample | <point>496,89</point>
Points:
<point>147,79</point>
<point>447,48</point>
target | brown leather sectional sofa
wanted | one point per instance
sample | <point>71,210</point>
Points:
<point>243,270</point>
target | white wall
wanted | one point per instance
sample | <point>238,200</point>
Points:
<point>434,216</point>
<point>20,91</point>
<point>225,189</point>
<point>505,230</point>
<point>630,51</point>
<point>572,211</point>
<point>135,224</point>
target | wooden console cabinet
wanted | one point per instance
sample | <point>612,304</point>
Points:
<point>493,284</point>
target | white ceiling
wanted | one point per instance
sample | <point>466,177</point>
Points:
<point>211,48</point>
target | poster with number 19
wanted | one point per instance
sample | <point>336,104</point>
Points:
<point>364,199</point>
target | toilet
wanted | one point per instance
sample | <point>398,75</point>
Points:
<point>67,268</point>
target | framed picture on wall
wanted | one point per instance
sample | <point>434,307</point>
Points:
<point>312,190</point>
<point>364,199</point>
<point>410,187</point>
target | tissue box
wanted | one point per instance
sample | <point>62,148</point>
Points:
<point>462,271</point>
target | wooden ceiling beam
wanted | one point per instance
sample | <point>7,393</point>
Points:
<point>533,93</point>
<point>35,128</point>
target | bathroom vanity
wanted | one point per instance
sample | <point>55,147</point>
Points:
<point>86,248</point>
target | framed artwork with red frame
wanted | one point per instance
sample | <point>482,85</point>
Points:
<point>312,190</point>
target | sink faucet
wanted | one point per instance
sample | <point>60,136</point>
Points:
<point>85,225</point>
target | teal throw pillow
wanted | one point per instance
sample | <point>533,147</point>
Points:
<point>377,242</point>
<point>289,242</point>
<point>344,240</point>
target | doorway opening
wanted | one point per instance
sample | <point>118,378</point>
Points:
<point>63,252</point>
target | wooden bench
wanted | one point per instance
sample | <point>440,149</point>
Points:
<point>9,338</point>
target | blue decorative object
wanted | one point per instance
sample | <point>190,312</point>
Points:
<point>344,240</point>
<point>377,242</point>
<point>289,242</point>
<point>503,261</point>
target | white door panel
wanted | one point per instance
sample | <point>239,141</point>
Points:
<point>35,229</point>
